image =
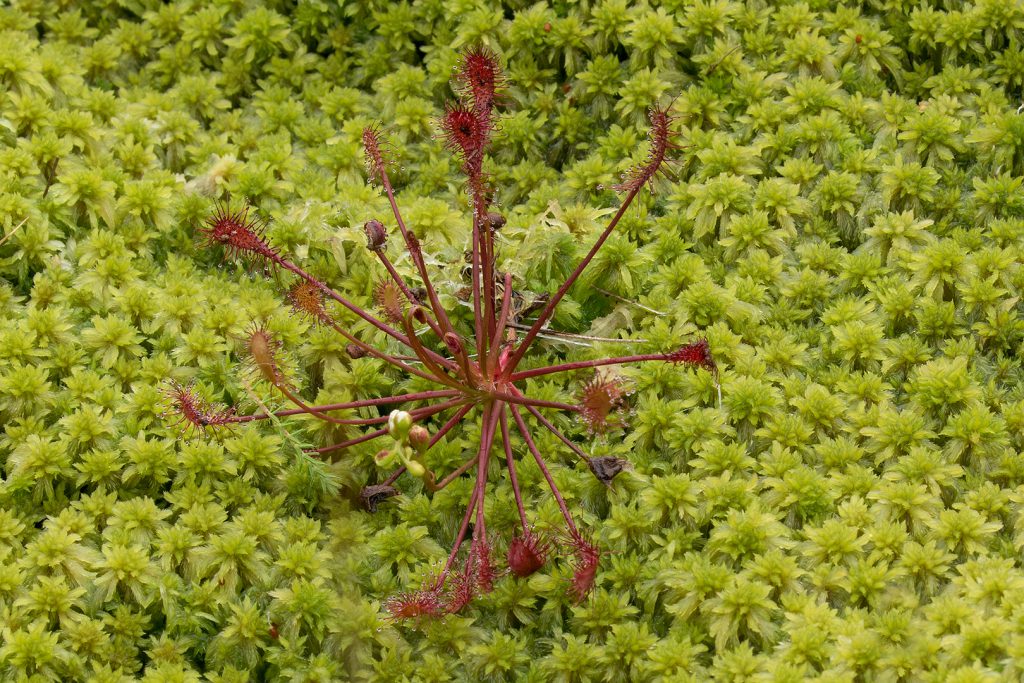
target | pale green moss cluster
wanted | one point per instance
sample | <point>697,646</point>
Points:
<point>845,225</point>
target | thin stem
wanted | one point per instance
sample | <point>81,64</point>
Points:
<point>464,363</point>
<point>372,319</point>
<point>510,463</point>
<point>417,414</point>
<point>394,476</point>
<point>499,331</point>
<point>458,540</point>
<point>484,235</point>
<point>579,365</point>
<point>358,310</point>
<point>549,309</point>
<point>487,254</point>
<point>447,427</point>
<point>478,324</point>
<point>439,375</point>
<point>477,497</point>
<point>480,531</point>
<point>455,474</point>
<point>308,410</point>
<point>416,254</point>
<point>517,397</point>
<point>407,292</point>
<point>554,430</point>
<point>544,470</point>
<point>369,436</point>
<point>386,262</point>
<point>365,403</point>
<point>431,323</point>
<point>392,360</point>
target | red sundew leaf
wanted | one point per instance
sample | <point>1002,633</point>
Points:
<point>262,349</point>
<point>483,569</point>
<point>479,75</point>
<point>427,603</point>
<point>526,554</point>
<point>307,299</point>
<point>466,132</point>
<point>461,589</point>
<point>239,233</point>
<point>584,574</point>
<point>660,139</point>
<point>194,413</point>
<point>375,146</point>
<point>599,399</point>
<point>390,300</point>
<point>697,353</point>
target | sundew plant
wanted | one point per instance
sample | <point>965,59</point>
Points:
<point>476,373</point>
<point>201,474</point>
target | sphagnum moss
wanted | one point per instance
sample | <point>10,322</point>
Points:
<point>863,271</point>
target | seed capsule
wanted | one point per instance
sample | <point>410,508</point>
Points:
<point>376,494</point>
<point>495,220</point>
<point>376,235</point>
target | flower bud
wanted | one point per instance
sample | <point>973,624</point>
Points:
<point>415,469</point>
<point>376,235</point>
<point>384,457</point>
<point>419,438</point>
<point>399,423</point>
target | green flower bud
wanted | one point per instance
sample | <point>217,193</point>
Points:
<point>415,468</point>
<point>399,423</point>
<point>384,458</point>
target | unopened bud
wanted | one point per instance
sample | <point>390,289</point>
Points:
<point>376,235</point>
<point>415,469</point>
<point>419,438</point>
<point>495,220</point>
<point>453,343</point>
<point>399,423</point>
<point>384,457</point>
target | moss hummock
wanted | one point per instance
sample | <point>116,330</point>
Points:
<point>844,225</point>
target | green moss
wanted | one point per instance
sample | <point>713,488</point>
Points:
<point>844,224</point>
